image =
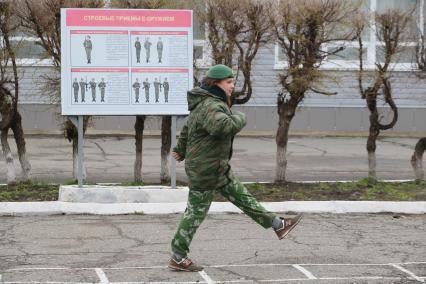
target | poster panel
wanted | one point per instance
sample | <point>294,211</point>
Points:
<point>126,62</point>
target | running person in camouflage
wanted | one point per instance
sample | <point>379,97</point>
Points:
<point>206,145</point>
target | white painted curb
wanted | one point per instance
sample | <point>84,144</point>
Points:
<point>337,207</point>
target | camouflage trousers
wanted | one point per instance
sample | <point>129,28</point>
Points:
<point>199,203</point>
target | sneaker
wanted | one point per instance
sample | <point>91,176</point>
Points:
<point>288,225</point>
<point>184,265</point>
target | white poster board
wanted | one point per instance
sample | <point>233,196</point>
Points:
<point>126,62</point>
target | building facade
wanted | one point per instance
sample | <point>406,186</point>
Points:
<point>344,112</point>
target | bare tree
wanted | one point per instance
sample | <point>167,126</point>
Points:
<point>41,18</point>
<point>140,119</point>
<point>236,30</point>
<point>417,159</point>
<point>234,27</point>
<point>302,28</point>
<point>10,116</point>
<point>391,29</point>
<point>146,4</point>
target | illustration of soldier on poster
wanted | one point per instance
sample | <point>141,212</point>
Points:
<point>157,87</point>
<point>88,48</point>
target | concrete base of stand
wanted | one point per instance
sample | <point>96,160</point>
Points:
<point>122,194</point>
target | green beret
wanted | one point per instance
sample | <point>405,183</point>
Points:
<point>220,71</point>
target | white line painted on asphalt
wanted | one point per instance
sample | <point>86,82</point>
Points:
<point>405,263</point>
<point>325,278</point>
<point>186,282</point>
<point>102,276</point>
<point>361,278</point>
<point>45,282</point>
<point>304,271</point>
<point>104,280</point>
<point>45,268</point>
<point>227,281</point>
<point>206,277</point>
<point>271,280</point>
<point>408,272</point>
<point>300,264</point>
<point>135,267</point>
<point>218,266</point>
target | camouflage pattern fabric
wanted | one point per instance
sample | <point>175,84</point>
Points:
<point>206,140</point>
<point>199,204</point>
<point>205,143</point>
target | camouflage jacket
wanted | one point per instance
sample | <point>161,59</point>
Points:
<point>206,140</point>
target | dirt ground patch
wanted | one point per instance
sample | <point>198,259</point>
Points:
<point>364,189</point>
<point>29,191</point>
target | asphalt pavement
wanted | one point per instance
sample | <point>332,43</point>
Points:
<point>324,248</point>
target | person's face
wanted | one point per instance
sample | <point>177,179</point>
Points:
<point>227,85</point>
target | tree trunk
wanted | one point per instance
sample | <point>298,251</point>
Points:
<point>372,164</point>
<point>18,133</point>
<point>139,128</point>
<point>71,133</point>
<point>280,174</point>
<point>417,159</point>
<point>286,111</point>
<point>371,151</point>
<point>371,143</point>
<point>11,175</point>
<point>166,143</point>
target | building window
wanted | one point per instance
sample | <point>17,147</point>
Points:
<point>373,48</point>
<point>28,51</point>
<point>202,52</point>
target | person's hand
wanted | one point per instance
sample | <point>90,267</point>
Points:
<point>176,156</point>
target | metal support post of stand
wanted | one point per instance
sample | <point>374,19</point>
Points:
<point>78,122</point>
<point>173,161</point>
